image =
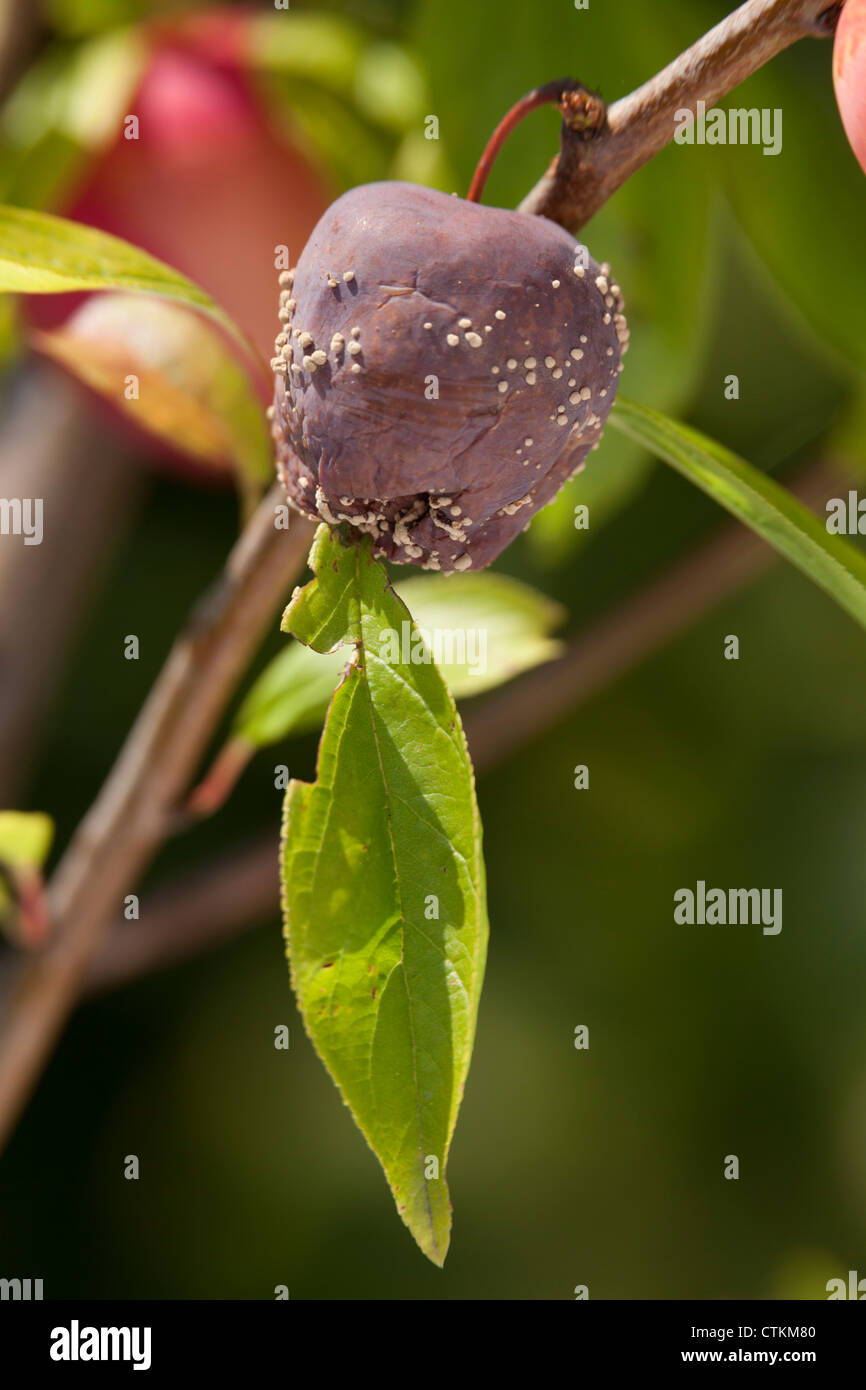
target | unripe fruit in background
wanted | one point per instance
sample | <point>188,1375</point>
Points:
<point>849,74</point>
<point>444,367</point>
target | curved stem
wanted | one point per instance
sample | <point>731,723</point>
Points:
<point>551,94</point>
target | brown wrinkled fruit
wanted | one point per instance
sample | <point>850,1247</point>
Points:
<point>443,368</point>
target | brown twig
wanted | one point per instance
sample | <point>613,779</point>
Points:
<point>586,172</point>
<point>133,813</point>
<point>226,898</point>
<point>196,912</point>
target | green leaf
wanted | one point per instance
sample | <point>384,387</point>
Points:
<point>191,390</point>
<point>835,565</point>
<point>483,628</point>
<point>388,984</point>
<point>25,839</point>
<point>68,105</point>
<point>43,254</point>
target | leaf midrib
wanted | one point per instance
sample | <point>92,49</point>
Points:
<point>361,647</point>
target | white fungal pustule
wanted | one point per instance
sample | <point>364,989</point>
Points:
<point>287,278</point>
<point>353,348</point>
<point>305,340</point>
<point>511,364</point>
<point>451,339</point>
<point>355,332</point>
<point>499,314</point>
<point>474,339</point>
<point>550,363</point>
<point>464,323</point>
<point>529,363</point>
<point>319,357</point>
<point>348,276</point>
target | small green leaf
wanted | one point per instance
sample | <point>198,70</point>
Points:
<point>482,628</point>
<point>835,565</point>
<point>383,887</point>
<point>25,839</point>
<point>43,254</point>
<point>190,390</point>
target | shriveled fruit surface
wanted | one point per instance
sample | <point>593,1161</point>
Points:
<point>443,368</point>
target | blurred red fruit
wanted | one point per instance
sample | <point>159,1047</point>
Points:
<point>849,74</point>
<point>208,186</point>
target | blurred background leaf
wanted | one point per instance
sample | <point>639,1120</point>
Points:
<point>25,838</point>
<point>188,389</point>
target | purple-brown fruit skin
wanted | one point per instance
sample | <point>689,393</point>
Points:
<point>375,447</point>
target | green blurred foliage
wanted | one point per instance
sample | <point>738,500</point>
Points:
<point>601,1167</point>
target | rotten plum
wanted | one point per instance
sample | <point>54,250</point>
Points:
<point>442,369</point>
